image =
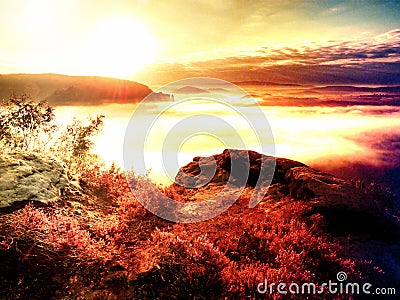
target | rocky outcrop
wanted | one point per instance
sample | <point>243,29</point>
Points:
<point>345,207</point>
<point>248,169</point>
<point>30,177</point>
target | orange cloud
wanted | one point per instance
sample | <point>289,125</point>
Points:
<point>374,60</point>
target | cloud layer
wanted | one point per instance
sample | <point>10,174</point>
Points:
<point>374,60</point>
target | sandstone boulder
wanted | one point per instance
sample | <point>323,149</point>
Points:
<point>247,169</point>
<point>26,177</point>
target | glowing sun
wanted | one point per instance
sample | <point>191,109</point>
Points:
<point>119,47</point>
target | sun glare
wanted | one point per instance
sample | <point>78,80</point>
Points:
<point>119,47</point>
<point>38,13</point>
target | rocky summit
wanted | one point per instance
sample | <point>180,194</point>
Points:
<point>345,207</point>
<point>30,177</point>
<point>247,166</point>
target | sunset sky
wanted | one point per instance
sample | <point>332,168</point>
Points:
<point>156,42</point>
<point>159,41</point>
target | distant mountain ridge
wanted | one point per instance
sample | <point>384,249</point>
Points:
<point>190,90</point>
<point>265,83</point>
<point>63,90</point>
<point>350,88</point>
<point>326,88</point>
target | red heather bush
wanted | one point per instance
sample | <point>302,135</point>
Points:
<point>110,183</point>
<point>42,251</point>
<point>281,249</point>
<point>111,230</point>
<point>172,193</point>
<point>111,186</point>
<point>192,265</point>
<point>277,244</point>
<point>57,233</point>
<point>151,196</point>
<point>241,280</point>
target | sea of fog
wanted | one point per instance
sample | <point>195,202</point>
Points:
<point>350,141</point>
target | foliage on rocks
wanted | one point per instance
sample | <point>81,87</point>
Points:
<point>27,125</point>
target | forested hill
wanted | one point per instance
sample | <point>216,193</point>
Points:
<point>61,90</point>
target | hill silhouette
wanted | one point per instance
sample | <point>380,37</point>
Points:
<point>63,90</point>
<point>268,83</point>
<point>358,89</point>
<point>190,90</point>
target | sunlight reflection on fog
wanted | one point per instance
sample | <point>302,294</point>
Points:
<point>306,134</point>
